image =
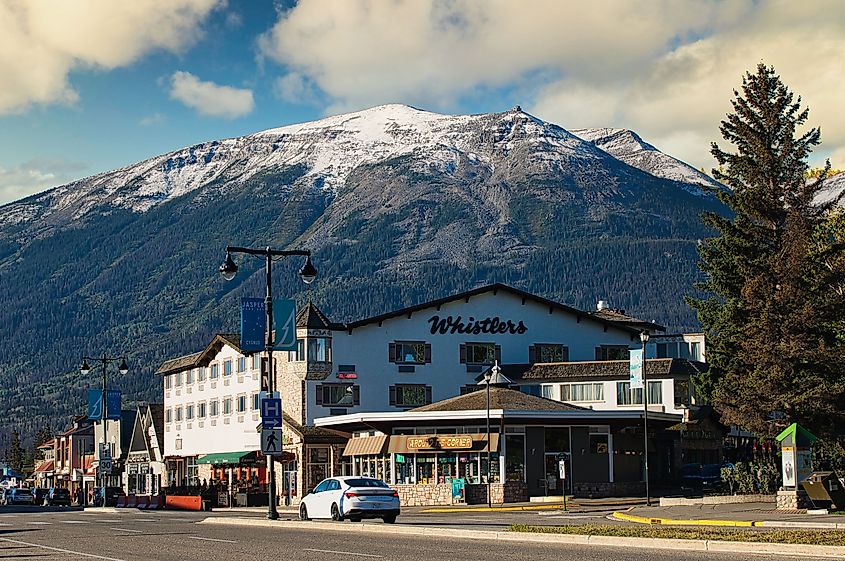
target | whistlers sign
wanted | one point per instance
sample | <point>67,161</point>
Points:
<point>492,325</point>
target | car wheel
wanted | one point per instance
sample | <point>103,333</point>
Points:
<point>336,515</point>
<point>389,519</point>
<point>303,512</point>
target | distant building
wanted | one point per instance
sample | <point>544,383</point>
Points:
<point>145,467</point>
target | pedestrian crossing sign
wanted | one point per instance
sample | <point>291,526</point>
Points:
<point>271,442</point>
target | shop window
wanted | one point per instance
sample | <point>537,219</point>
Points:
<point>318,465</point>
<point>480,353</point>
<point>241,364</point>
<point>338,395</point>
<point>409,395</point>
<point>192,471</point>
<point>515,457</point>
<point>227,367</point>
<point>320,349</point>
<point>201,410</point>
<point>215,371</point>
<point>582,392</point>
<point>409,352</point>
<point>548,352</point>
<point>557,439</point>
<point>612,352</point>
<point>241,403</point>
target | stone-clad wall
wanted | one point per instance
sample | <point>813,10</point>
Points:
<point>604,489</point>
<point>510,492</point>
<point>425,495</point>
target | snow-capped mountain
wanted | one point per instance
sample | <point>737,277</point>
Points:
<point>398,206</point>
<point>633,150</point>
<point>833,188</point>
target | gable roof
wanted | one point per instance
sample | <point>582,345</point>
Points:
<point>619,316</point>
<point>311,317</point>
<point>494,288</point>
<point>203,357</point>
<point>609,370</point>
<point>500,398</point>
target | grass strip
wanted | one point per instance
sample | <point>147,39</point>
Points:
<point>805,537</point>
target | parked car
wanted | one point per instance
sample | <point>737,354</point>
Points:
<point>354,498</point>
<point>112,494</point>
<point>18,496</point>
<point>57,496</point>
<point>702,478</point>
<point>38,495</point>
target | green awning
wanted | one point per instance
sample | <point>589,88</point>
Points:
<point>228,458</point>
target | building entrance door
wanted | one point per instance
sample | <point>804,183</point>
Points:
<point>555,485</point>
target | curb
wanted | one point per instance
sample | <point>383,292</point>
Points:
<point>670,521</point>
<point>539,506</point>
<point>793,550</point>
<point>785,524</point>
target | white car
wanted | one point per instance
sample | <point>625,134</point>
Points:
<point>354,498</point>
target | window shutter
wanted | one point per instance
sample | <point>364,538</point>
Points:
<point>598,353</point>
<point>532,354</point>
<point>463,354</point>
<point>428,353</point>
<point>427,395</point>
<point>356,395</point>
<point>392,395</point>
<point>319,394</point>
<point>328,350</point>
<point>391,352</point>
<point>499,353</point>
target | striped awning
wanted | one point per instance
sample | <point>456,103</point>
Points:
<point>365,446</point>
<point>399,444</point>
<point>45,467</point>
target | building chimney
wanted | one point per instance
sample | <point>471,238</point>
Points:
<point>602,305</point>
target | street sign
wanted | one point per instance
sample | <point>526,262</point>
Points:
<point>105,451</point>
<point>95,404</point>
<point>253,322</point>
<point>271,413</point>
<point>561,466</point>
<point>271,442</point>
<point>105,466</point>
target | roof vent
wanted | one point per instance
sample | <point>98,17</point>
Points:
<point>602,305</point>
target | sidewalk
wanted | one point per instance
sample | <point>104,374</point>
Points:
<point>736,515</point>
<point>574,505</point>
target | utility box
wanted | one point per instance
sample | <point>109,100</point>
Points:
<point>825,490</point>
<point>796,444</point>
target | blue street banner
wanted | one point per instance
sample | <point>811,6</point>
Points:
<point>636,369</point>
<point>95,404</point>
<point>253,322</point>
<point>284,317</point>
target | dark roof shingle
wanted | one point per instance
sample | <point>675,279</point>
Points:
<point>610,369</point>
<point>500,398</point>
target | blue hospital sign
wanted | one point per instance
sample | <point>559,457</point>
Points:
<point>271,412</point>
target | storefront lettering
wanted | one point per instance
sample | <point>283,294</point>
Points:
<point>439,442</point>
<point>472,326</point>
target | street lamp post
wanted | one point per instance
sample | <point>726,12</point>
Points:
<point>308,273</point>
<point>644,340</point>
<point>85,369</point>
<point>492,377</point>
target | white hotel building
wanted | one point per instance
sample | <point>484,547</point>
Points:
<point>397,361</point>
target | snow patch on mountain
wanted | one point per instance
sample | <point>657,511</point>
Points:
<point>627,146</point>
<point>832,188</point>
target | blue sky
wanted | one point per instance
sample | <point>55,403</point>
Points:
<point>87,86</point>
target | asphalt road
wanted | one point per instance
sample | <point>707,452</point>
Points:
<point>133,535</point>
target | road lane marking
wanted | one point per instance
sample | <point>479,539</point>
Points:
<point>127,530</point>
<point>341,552</point>
<point>41,523</point>
<point>211,539</point>
<point>60,550</point>
<point>75,522</point>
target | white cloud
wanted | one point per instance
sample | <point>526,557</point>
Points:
<point>151,120</point>
<point>664,68</point>
<point>296,88</point>
<point>36,176</point>
<point>207,98</point>
<point>42,41</point>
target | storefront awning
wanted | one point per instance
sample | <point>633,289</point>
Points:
<point>441,443</point>
<point>228,458</point>
<point>45,467</point>
<point>365,446</point>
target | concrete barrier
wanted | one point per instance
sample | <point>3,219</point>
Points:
<point>717,500</point>
<point>183,502</point>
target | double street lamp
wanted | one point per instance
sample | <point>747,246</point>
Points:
<point>85,369</point>
<point>492,377</point>
<point>307,273</point>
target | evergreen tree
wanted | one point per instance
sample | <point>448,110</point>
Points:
<point>15,453</point>
<point>774,272</point>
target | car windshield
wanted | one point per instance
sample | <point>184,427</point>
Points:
<point>366,483</point>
